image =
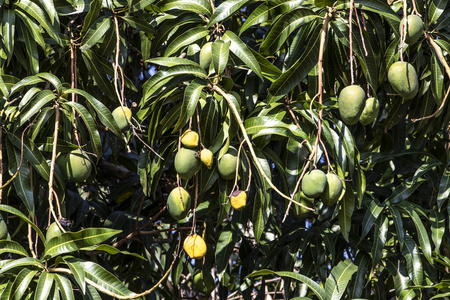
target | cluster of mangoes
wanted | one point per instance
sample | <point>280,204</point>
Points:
<point>402,77</point>
<point>315,184</point>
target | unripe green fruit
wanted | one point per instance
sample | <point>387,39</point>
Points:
<point>53,231</point>
<point>178,203</point>
<point>299,211</point>
<point>314,183</point>
<point>3,229</point>
<point>204,282</point>
<point>414,28</point>
<point>333,189</point>
<point>227,164</point>
<point>351,103</point>
<point>370,112</point>
<point>119,117</point>
<point>186,163</point>
<point>75,166</point>
<point>403,78</point>
<point>206,55</point>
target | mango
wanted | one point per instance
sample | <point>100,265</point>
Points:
<point>75,166</point>
<point>119,116</point>
<point>370,112</point>
<point>227,164</point>
<point>195,246</point>
<point>206,157</point>
<point>238,199</point>
<point>351,103</point>
<point>189,139</point>
<point>333,189</point>
<point>204,282</point>
<point>179,203</point>
<point>206,55</point>
<point>414,28</point>
<point>3,229</point>
<point>314,183</point>
<point>403,78</point>
<point>186,163</point>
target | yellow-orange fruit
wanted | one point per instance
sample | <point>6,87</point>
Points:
<point>238,199</point>
<point>195,246</point>
<point>189,139</point>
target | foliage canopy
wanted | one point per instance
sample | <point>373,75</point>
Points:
<point>257,80</point>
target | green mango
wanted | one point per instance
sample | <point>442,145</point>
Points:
<point>351,103</point>
<point>403,78</point>
<point>370,112</point>
<point>414,29</point>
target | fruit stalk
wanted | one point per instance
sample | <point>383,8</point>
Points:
<point>252,151</point>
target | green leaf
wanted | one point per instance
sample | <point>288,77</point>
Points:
<point>27,262</point>
<point>220,52</point>
<point>22,180</point>
<point>102,111</point>
<point>192,94</point>
<point>444,187</point>
<point>378,7</point>
<point>437,79</point>
<point>224,247</point>
<point>172,61</point>
<point>374,209</point>
<point>12,210</point>
<point>44,286</point>
<point>435,10</point>
<point>336,283</point>
<point>403,191</point>
<point>34,29</point>
<point>425,168</point>
<point>73,241</point>
<point>110,250</point>
<point>95,32</point>
<point>137,5</point>
<point>105,279</point>
<point>437,228</point>
<point>40,16</point>
<point>422,233</point>
<point>380,233</point>
<point>347,205</point>
<point>42,98</point>
<point>259,126</point>
<point>225,10</point>
<point>30,80</point>
<point>12,247</point>
<point>90,124</point>
<point>413,260</point>
<point>357,284</point>
<point>284,26</point>
<point>77,271</point>
<point>32,154</point>
<point>195,6</point>
<point>186,39</point>
<point>300,69</point>
<point>157,81</point>
<point>138,24</point>
<point>240,49</point>
<point>98,73</point>
<point>8,29</point>
<point>317,289</point>
<point>33,54</point>
<point>91,16</point>
<point>64,286</point>
<point>21,283</point>
<point>398,271</point>
<point>398,222</point>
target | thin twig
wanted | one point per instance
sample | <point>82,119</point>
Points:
<point>30,241</point>
<point>403,31</point>
<point>360,31</point>
<point>350,37</point>
<point>52,164</point>
<point>415,8</point>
